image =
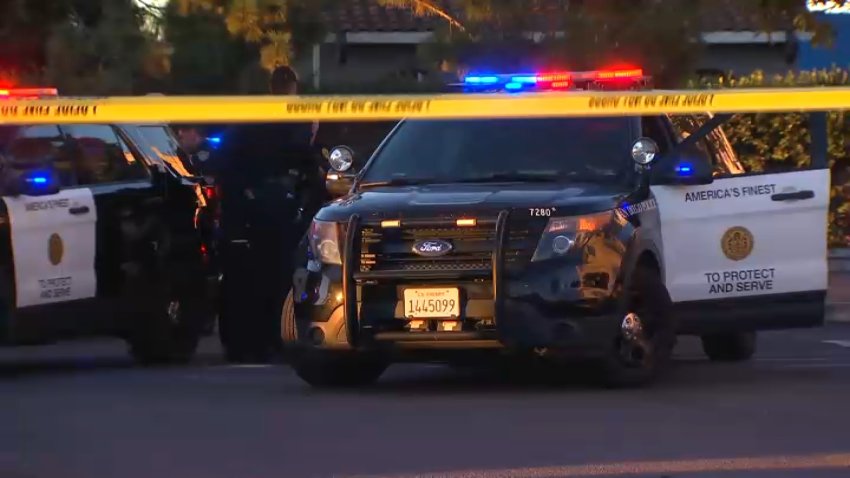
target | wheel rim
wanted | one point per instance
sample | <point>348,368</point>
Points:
<point>174,311</point>
<point>635,345</point>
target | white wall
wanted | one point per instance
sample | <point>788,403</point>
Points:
<point>745,59</point>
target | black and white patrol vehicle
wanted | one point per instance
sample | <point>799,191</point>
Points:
<point>99,235</point>
<point>600,238</point>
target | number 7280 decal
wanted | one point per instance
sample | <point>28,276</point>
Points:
<point>541,211</point>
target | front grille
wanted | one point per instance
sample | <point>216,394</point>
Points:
<point>391,249</point>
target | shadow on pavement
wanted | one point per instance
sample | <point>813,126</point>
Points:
<point>684,376</point>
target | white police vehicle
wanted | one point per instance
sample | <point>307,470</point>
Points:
<point>599,238</point>
<point>99,235</point>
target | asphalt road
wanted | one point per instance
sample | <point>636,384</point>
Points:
<point>82,410</point>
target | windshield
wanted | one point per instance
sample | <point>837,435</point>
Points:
<point>594,149</point>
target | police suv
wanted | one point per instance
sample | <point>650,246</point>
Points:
<point>99,233</point>
<point>599,238</point>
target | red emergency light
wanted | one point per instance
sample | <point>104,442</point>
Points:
<point>24,93</point>
<point>556,79</point>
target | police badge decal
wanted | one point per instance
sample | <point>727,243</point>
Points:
<point>55,249</point>
<point>737,243</point>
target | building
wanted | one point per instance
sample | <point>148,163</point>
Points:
<point>838,18</point>
<point>371,43</point>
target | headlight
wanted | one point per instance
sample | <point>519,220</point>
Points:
<point>324,242</point>
<point>564,234</point>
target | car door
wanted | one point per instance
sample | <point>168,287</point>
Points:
<point>749,250</point>
<point>125,197</point>
<point>52,236</point>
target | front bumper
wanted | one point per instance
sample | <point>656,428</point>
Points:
<point>569,306</point>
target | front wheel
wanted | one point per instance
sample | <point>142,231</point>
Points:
<point>337,371</point>
<point>646,335</point>
<point>731,347</point>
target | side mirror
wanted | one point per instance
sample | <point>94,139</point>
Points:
<point>338,184</point>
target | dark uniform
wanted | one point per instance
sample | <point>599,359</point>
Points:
<point>259,169</point>
<point>199,162</point>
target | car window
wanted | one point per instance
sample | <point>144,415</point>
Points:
<point>594,149</point>
<point>32,147</point>
<point>102,157</point>
<point>653,128</point>
<point>715,144</point>
<point>160,144</point>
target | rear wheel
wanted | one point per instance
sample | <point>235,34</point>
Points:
<point>731,347</point>
<point>646,336</point>
<point>238,309</point>
<point>168,329</point>
<point>337,371</point>
<point>169,318</point>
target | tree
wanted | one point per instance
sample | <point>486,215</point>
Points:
<point>270,25</point>
<point>584,34</point>
<point>206,58</point>
<point>79,46</point>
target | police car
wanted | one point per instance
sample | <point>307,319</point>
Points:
<point>600,238</point>
<point>100,237</point>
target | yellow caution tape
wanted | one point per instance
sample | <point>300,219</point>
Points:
<point>230,109</point>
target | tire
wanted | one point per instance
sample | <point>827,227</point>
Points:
<point>288,330</point>
<point>169,329</point>
<point>237,310</point>
<point>639,361</point>
<point>339,371</point>
<point>731,347</point>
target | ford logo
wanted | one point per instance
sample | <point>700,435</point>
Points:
<point>432,248</point>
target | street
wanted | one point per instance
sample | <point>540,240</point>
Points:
<point>82,409</point>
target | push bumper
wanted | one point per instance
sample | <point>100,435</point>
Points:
<point>549,305</point>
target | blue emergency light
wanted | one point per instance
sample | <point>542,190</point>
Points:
<point>38,182</point>
<point>37,176</point>
<point>557,80</point>
<point>684,169</point>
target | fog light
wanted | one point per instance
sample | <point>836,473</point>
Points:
<point>417,325</point>
<point>449,326</point>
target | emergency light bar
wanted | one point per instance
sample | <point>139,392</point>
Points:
<point>27,93</point>
<point>559,80</point>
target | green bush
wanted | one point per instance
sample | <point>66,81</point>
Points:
<point>768,142</point>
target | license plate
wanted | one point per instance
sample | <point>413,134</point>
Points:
<point>431,303</point>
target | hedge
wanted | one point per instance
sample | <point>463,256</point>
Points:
<point>768,142</point>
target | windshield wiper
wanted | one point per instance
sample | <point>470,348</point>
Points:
<point>514,177</point>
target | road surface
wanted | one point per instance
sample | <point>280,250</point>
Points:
<point>83,410</point>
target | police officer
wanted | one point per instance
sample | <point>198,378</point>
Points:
<point>260,168</point>
<point>196,149</point>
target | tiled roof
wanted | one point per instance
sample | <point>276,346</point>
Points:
<point>370,16</point>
